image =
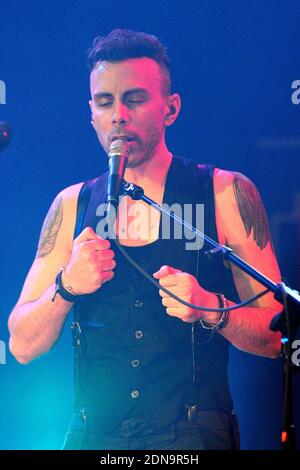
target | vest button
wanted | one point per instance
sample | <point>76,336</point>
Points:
<point>138,334</point>
<point>135,363</point>
<point>135,394</point>
<point>138,303</point>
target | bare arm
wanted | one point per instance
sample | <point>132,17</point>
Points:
<point>242,225</point>
<point>35,326</point>
<point>36,321</point>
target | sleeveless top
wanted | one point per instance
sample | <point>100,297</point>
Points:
<point>133,354</point>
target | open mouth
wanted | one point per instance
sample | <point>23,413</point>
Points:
<point>127,138</point>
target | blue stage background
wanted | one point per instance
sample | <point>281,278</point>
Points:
<point>234,64</point>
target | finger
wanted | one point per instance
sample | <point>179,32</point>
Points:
<point>107,276</point>
<point>165,271</point>
<point>105,254</point>
<point>169,281</point>
<point>87,234</point>
<point>108,265</point>
<point>164,294</point>
<point>99,257</point>
<point>172,311</point>
<point>170,302</point>
<point>95,245</point>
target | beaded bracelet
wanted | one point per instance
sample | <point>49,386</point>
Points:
<point>224,317</point>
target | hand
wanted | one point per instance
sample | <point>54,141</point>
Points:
<point>186,287</point>
<point>91,263</point>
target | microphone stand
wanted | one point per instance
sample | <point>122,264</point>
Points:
<point>287,321</point>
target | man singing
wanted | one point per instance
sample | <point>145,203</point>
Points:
<point>151,373</point>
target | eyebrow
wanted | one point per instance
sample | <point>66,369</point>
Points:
<point>127,93</point>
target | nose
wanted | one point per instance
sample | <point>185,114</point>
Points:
<point>120,114</point>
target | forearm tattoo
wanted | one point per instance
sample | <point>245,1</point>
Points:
<point>50,228</point>
<point>252,211</point>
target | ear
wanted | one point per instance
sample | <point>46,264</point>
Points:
<point>91,108</point>
<point>173,107</point>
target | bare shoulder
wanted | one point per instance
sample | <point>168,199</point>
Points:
<point>223,177</point>
<point>226,181</point>
<point>223,193</point>
<point>55,244</point>
<point>59,223</point>
<point>70,194</point>
<point>239,205</point>
<point>242,224</point>
<point>234,190</point>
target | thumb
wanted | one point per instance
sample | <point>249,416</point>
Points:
<point>87,234</point>
<point>165,271</point>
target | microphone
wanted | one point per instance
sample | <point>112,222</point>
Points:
<point>5,135</point>
<point>118,155</point>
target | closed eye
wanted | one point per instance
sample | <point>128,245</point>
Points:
<point>102,105</point>
<point>135,101</point>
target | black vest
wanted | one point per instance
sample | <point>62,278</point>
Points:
<point>132,353</point>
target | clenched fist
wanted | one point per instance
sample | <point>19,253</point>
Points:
<point>91,263</point>
<point>186,287</point>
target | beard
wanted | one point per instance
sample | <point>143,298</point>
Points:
<point>144,150</point>
<point>140,150</point>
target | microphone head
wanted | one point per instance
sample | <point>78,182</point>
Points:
<point>119,147</point>
<point>5,135</point>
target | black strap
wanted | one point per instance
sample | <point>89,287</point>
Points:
<point>203,175</point>
<point>82,205</point>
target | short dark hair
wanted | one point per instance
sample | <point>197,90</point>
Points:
<point>123,44</point>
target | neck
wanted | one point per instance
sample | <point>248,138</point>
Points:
<point>152,170</point>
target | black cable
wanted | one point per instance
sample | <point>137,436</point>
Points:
<point>187,304</point>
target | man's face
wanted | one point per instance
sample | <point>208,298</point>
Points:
<point>127,102</point>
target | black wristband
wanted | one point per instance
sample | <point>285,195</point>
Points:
<point>59,289</point>
<point>223,319</point>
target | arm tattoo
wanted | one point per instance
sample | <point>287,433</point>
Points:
<point>50,228</point>
<point>252,211</point>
